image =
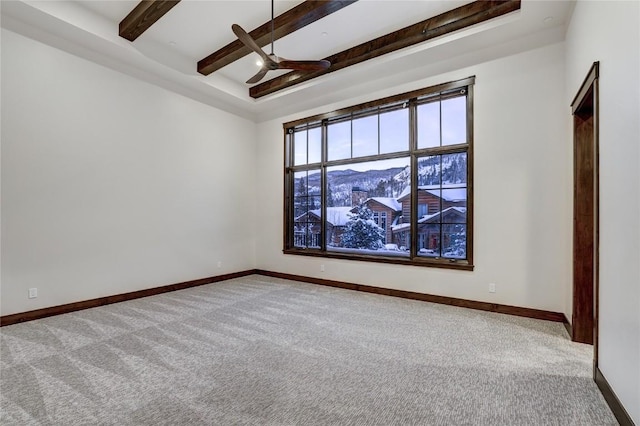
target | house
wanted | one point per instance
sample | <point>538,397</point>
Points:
<point>433,198</point>
<point>124,169</point>
<point>439,207</point>
<point>385,211</point>
<point>307,225</point>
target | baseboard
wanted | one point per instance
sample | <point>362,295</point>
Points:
<point>100,301</point>
<point>567,326</point>
<point>464,303</point>
<point>612,400</point>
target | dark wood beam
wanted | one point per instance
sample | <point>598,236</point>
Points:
<point>445,23</point>
<point>143,16</point>
<point>292,20</point>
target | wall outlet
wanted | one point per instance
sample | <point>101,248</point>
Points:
<point>33,293</point>
<point>219,264</point>
<point>492,287</point>
<point>322,268</point>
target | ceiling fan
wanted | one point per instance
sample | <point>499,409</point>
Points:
<point>272,62</point>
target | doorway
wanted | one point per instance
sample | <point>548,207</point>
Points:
<point>584,325</point>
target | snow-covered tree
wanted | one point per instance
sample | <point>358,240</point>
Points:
<point>458,242</point>
<point>361,232</point>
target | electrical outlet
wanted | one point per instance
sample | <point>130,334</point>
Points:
<point>33,293</point>
<point>219,264</point>
<point>492,287</point>
<point>322,268</point>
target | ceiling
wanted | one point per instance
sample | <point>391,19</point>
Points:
<point>167,53</point>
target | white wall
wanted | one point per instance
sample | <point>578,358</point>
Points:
<point>608,31</point>
<point>522,191</point>
<point>111,185</point>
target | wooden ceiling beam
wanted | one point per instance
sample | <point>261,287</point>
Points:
<point>143,16</point>
<point>445,23</point>
<point>292,20</point>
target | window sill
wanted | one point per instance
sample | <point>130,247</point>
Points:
<point>463,265</point>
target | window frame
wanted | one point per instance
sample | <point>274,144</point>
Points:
<point>411,100</point>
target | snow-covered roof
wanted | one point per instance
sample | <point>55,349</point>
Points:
<point>427,218</point>
<point>337,216</point>
<point>400,227</point>
<point>452,194</point>
<point>454,191</point>
<point>405,192</point>
<point>390,202</point>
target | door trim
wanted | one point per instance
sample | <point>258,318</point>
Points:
<point>588,95</point>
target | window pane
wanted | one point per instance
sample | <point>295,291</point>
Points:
<point>300,147</point>
<point>394,131</point>
<point>429,125</point>
<point>442,188</point>
<point>363,207</point>
<point>429,240</point>
<point>454,241</point>
<point>339,140</point>
<point>365,136</point>
<point>456,214</point>
<point>454,167</point>
<point>454,197</point>
<point>315,145</point>
<point>454,121</point>
<point>307,211</point>
<point>429,170</point>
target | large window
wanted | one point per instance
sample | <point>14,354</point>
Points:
<point>389,180</point>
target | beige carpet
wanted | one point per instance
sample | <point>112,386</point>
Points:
<point>264,351</point>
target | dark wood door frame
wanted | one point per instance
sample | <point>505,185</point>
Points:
<point>584,326</point>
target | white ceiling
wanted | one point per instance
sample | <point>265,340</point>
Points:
<point>167,53</point>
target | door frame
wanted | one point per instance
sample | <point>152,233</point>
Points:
<point>586,102</point>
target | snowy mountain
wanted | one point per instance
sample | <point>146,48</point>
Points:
<point>377,183</point>
<point>432,170</point>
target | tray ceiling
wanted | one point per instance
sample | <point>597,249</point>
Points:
<point>167,53</point>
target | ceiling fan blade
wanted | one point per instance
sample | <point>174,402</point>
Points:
<point>303,65</point>
<point>246,39</point>
<point>256,78</point>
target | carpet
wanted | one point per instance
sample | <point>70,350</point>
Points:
<point>265,351</point>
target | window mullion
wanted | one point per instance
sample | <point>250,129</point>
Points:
<point>413,182</point>
<point>323,187</point>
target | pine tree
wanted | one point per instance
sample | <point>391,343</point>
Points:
<point>329,196</point>
<point>458,242</point>
<point>361,232</point>
<point>300,199</point>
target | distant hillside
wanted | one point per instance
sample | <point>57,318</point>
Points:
<point>446,169</point>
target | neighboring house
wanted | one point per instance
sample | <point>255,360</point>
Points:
<point>385,211</point>
<point>308,226</point>
<point>436,205</point>
<point>432,199</point>
<point>392,215</point>
<point>429,228</point>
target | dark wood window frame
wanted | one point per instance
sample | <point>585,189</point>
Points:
<point>410,100</point>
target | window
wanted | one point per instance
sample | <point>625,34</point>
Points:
<point>380,219</point>
<point>389,180</point>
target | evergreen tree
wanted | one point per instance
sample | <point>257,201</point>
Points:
<point>361,232</point>
<point>300,204</point>
<point>301,189</point>
<point>379,190</point>
<point>329,196</point>
<point>458,242</point>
